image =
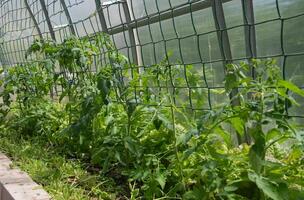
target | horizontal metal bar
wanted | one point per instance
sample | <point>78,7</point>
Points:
<point>163,15</point>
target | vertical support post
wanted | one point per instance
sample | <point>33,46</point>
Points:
<point>50,26</point>
<point>223,38</point>
<point>131,32</point>
<point>222,35</point>
<point>101,16</point>
<point>68,16</point>
<point>135,30</point>
<point>250,41</point>
<point>33,19</point>
<point>250,36</point>
<point>47,18</point>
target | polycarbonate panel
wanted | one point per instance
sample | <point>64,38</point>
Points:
<point>56,14</point>
<point>215,74</point>
<point>293,35</point>
<point>143,8</point>
<point>184,25</point>
<point>237,42</point>
<point>289,8</point>
<point>265,10</point>
<point>295,70</point>
<point>268,38</point>
<point>114,14</point>
<point>233,13</point>
<point>209,47</point>
<point>80,10</point>
<point>203,21</point>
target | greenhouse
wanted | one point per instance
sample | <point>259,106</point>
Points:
<point>152,99</point>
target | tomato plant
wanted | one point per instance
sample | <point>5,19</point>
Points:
<point>139,136</point>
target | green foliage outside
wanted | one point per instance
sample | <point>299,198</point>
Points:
<point>133,139</point>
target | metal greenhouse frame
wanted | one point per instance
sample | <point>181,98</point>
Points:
<point>23,21</point>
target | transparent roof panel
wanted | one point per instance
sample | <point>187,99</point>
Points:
<point>142,8</point>
<point>265,10</point>
<point>80,10</point>
<point>114,14</point>
<point>290,8</point>
<point>233,13</point>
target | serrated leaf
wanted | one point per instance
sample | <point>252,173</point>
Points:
<point>166,122</point>
<point>269,188</point>
<point>291,87</point>
<point>238,124</point>
<point>230,81</point>
<point>185,137</point>
<point>224,135</point>
<point>230,188</point>
<point>118,157</point>
<point>257,154</point>
<point>161,179</point>
<point>130,145</point>
<point>272,134</point>
<point>196,193</point>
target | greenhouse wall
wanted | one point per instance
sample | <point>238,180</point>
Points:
<point>202,35</point>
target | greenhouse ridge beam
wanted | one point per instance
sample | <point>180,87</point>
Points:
<point>47,18</point>
<point>68,16</point>
<point>163,15</point>
<point>33,18</point>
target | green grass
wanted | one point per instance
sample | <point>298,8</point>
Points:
<point>62,178</point>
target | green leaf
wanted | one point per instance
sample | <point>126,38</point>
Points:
<point>81,139</point>
<point>166,122</point>
<point>230,188</point>
<point>161,179</point>
<point>104,86</point>
<point>63,94</point>
<point>269,188</point>
<point>291,87</point>
<point>157,123</point>
<point>257,153</point>
<point>238,124</point>
<point>224,135</point>
<point>196,193</point>
<point>230,81</point>
<point>272,134</point>
<point>184,138</point>
<point>130,145</point>
<point>131,106</point>
<point>118,157</point>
